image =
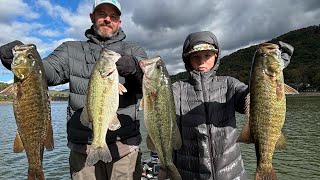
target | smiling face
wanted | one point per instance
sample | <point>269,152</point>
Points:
<point>202,61</point>
<point>106,20</point>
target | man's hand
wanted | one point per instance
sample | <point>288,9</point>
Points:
<point>126,65</point>
<point>6,54</point>
<point>287,51</point>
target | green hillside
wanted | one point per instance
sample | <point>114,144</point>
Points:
<point>303,70</point>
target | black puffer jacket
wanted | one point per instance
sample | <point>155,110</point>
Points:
<point>205,107</point>
<point>73,62</point>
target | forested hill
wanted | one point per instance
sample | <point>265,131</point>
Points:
<point>303,70</point>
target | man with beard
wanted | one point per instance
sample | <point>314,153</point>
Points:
<point>72,62</point>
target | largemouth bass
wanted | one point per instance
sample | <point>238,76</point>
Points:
<point>266,108</point>
<point>102,104</point>
<point>159,115</point>
<point>31,108</point>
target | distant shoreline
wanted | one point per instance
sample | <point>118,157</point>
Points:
<point>289,95</point>
<point>10,102</point>
<point>306,94</point>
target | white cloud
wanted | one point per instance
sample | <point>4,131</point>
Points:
<point>13,8</point>
<point>75,22</point>
<point>49,33</point>
<point>161,31</point>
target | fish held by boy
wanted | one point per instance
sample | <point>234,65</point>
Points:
<point>159,115</point>
<point>31,108</point>
<point>266,108</point>
<point>102,104</point>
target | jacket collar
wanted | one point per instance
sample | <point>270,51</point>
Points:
<point>197,78</point>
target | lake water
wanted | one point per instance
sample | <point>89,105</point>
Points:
<point>301,159</point>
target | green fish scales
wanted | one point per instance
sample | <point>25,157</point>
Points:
<point>159,115</point>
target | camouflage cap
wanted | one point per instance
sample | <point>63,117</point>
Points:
<point>201,47</point>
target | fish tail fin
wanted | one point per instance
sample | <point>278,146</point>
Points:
<point>35,174</point>
<point>98,153</point>
<point>271,175</point>
<point>173,172</point>
<point>170,171</point>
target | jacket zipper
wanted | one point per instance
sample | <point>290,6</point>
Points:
<point>204,94</point>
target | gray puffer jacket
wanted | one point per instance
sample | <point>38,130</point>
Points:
<point>205,108</point>
<point>73,62</point>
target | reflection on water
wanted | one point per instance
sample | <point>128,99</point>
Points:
<point>301,159</point>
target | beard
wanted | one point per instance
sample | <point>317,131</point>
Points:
<point>105,34</point>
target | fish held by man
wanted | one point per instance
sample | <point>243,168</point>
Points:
<point>266,108</point>
<point>159,115</point>
<point>102,104</point>
<point>31,108</point>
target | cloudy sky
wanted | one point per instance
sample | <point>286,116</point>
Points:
<point>159,26</point>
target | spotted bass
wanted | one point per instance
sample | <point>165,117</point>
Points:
<point>266,108</point>
<point>159,115</point>
<point>102,104</point>
<point>31,108</point>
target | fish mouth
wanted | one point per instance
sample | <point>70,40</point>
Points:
<point>269,46</point>
<point>144,63</point>
<point>18,74</point>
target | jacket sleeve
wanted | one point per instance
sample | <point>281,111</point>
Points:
<point>286,52</point>
<point>56,66</point>
<point>241,91</point>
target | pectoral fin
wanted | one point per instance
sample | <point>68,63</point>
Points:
<point>10,90</point>
<point>122,89</point>
<point>279,90</point>
<point>281,143</point>
<point>84,118</point>
<point>245,135</point>
<point>141,104</point>
<point>247,107</point>
<point>17,145</point>
<point>290,90</point>
<point>115,123</point>
<point>48,142</point>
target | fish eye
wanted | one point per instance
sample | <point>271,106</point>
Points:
<point>158,66</point>
<point>263,54</point>
<point>30,56</point>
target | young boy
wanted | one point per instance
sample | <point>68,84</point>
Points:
<point>205,108</point>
